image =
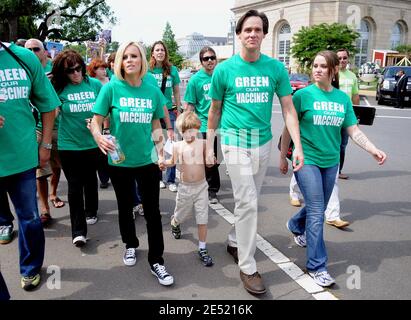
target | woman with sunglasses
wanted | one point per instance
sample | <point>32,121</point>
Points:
<point>77,149</point>
<point>168,81</point>
<point>135,107</point>
<point>322,111</point>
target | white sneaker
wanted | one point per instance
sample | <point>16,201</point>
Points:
<point>91,220</point>
<point>129,257</point>
<point>172,187</point>
<point>322,278</point>
<point>162,275</point>
<point>300,240</point>
<point>162,185</point>
<point>79,241</point>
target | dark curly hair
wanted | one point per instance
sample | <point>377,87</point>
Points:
<point>66,59</point>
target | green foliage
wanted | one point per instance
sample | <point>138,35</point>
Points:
<point>404,49</point>
<point>80,20</point>
<point>80,48</point>
<point>172,46</point>
<point>308,41</point>
<point>112,47</point>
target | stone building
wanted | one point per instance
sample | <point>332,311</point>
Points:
<point>382,24</point>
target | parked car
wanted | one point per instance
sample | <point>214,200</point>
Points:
<point>299,81</point>
<point>386,84</point>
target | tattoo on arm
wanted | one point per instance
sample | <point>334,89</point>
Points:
<point>360,139</point>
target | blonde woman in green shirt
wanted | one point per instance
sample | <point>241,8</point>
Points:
<point>322,111</point>
<point>135,108</point>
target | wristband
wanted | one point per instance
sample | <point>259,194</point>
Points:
<point>47,146</point>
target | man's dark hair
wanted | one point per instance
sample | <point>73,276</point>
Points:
<point>252,13</point>
<point>342,50</point>
<point>204,50</point>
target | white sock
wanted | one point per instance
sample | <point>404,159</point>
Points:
<point>201,245</point>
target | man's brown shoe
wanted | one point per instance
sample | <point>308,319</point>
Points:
<point>233,251</point>
<point>338,223</point>
<point>253,283</point>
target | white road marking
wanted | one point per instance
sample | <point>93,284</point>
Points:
<point>284,263</point>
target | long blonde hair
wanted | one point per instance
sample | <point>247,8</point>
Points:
<point>118,62</point>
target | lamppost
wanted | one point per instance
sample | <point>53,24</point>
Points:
<point>232,23</point>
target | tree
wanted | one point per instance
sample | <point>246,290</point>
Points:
<point>404,49</point>
<point>308,41</point>
<point>172,46</point>
<point>71,20</point>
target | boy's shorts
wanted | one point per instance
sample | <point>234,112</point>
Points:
<point>192,197</point>
<point>54,161</point>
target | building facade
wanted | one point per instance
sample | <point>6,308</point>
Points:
<point>381,24</point>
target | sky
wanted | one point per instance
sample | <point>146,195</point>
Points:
<point>145,20</point>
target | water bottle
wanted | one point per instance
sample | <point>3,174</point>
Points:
<point>117,156</point>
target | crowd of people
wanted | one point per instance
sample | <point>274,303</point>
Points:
<point>110,118</point>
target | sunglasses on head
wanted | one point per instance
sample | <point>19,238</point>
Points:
<point>210,58</point>
<point>34,49</point>
<point>72,70</point>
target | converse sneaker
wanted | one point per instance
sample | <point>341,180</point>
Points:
<point>162,275</point>
<point>6,234</point>
<point>162,185</point>
<point>175,229</point>
<point>138,209</point>
<point>300,240</point>
<point>322,278</point>
<point>212,197</point>
<point>79,241</point>
<point>91,220</point>
<point>205,258</point>
<point>29,283</point>
<point>129,257</point>
<point>172,187</point>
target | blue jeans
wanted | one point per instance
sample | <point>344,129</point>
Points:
<point>22,190</point>
<point>316,185</point>
<point>171,172</point>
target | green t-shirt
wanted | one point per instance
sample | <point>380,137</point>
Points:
<point>348,82</point>
<point>109,73</point>
<point>246,91</point>
<point>131,111</point>
<point>48,67</point>
<point>19,149</point>
<point>321,115</point>
<point>197,95</point>
<point>77,102</point>
<point>172,80</point>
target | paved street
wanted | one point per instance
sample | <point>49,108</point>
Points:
<point>376,200</point>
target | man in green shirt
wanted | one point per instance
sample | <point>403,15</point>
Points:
<point>198,100</point>
<point>23,80</point>
<point>242,91</point>
<point>53,168</point>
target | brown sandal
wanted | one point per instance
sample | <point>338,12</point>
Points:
<point>57,203</point>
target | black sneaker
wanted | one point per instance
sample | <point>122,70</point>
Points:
<point>212,197</point>
<point>205,258</point>
<point>176,231</point>
<point>104,185</point>
<point>162,275</point>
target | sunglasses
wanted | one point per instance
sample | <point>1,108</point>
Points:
<point>72,70</point>
<point>34,49</point>
<point>210,58</point>
<point>343,58</point>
